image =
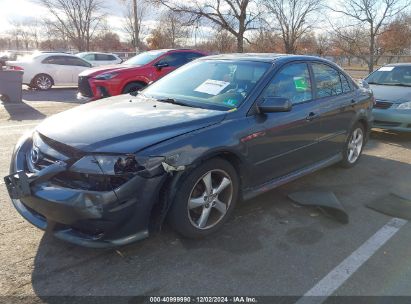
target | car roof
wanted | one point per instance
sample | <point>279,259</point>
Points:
<point>262,57</point>
<point>56,54</point>
<point>95,53</point>
<point>399,64</point>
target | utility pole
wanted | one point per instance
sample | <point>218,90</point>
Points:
<point>135,13</point>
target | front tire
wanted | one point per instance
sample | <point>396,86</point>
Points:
<point>133,87</point>
<point>42,82</point>
<point>353,146</point>
<point>205,200</point>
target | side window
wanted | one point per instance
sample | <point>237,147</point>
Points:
<point>111,57</point>
<point>76,62</point>
<point>345,84</point>
<point>103,57</point>
<point>174,59</point>
<point>50,60</point>
<point>292,82</point>
<point>89,57</point>
<point>192,56</point>
<point>327,80</point>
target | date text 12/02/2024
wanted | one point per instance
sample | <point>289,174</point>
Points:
<point>203,299</point>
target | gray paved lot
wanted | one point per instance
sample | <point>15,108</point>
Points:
<point>269,247</point>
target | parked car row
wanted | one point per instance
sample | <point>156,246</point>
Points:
<point>100,75</point>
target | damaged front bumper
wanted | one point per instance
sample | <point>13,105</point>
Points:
<point>85,217</point>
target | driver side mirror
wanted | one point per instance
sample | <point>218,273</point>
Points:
<point>160,65</point>
<point>363,84</point>
<point>275,104</point>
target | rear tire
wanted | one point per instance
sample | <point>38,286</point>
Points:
<point>42,82</point>
<point>133,87</point>
<point>353,146</point>
<point>205,200</point>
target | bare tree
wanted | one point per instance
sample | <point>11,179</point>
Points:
<point>370,15</point>
<point>169,33</point>
<point>134,15</point>
<point>235,16</point>
<point>294,19</point>
<point>76,19</point>
<point>15,32</point>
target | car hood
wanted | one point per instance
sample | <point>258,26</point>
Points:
<point>395,94</point>
<point>125,124</point>
<point>107,68</point>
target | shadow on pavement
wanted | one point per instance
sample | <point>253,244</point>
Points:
<point>400,139</point>
<point>60,94</point>
<point>264,243</point>
<point>22,111</point>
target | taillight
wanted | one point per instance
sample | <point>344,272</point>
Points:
<point>15,68</point>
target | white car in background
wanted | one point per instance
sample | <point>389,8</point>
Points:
<point>43,70</point>
<point>99,59</point>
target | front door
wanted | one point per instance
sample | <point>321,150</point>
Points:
<point>286,141</point>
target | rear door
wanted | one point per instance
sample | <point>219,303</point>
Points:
<point>286,141</point>
<point>337,101</point>
<point>56,66</point>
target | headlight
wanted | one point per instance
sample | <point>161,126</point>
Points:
<point>106,172</point>
<point>128,164</point>
<point>106,76</point>
<point>405,106</point>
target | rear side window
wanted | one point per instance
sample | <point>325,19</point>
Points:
<point>60,60</point>
<point>292,82</point>
<point>90,57</point>
<point>179,59</point>
<point>192,56</point>
<point>345,84</point>
<point>104,57</point>
<point>327,79</point>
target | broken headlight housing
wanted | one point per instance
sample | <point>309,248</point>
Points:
<point>108,172</point>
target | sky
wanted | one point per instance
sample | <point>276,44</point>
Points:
<point>21,9</point>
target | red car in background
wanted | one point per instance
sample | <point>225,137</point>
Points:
<point>133,74</point>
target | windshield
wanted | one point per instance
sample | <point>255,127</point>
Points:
<point>391,75</point>
<point>220,84</point>
<point>144,58</point>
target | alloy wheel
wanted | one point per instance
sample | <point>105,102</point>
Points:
<point>355,145</point>
<point>43,82</point>
<point>210,199</point>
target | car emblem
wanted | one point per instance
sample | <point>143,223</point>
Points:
<point>35,155</point>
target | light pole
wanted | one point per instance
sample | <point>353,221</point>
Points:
<point>135,13</point>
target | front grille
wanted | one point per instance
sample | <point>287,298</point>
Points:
<point>382,104</point>
<point>84,86</point>
<point>68,151</point>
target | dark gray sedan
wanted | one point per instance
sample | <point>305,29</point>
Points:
<point>187,147</point>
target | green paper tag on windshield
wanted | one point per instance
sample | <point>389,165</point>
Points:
<point>300,84</point>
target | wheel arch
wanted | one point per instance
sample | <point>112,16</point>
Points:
<point>168,190</point>
<point>131,82</point>
<point>39,74</point>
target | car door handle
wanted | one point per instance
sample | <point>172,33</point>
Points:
<point>311,116</point>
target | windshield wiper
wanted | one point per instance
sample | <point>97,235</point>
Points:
<point>377,83</point>
<point>173,101</point>
<point>390,84</point>
<point>400,84</point>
